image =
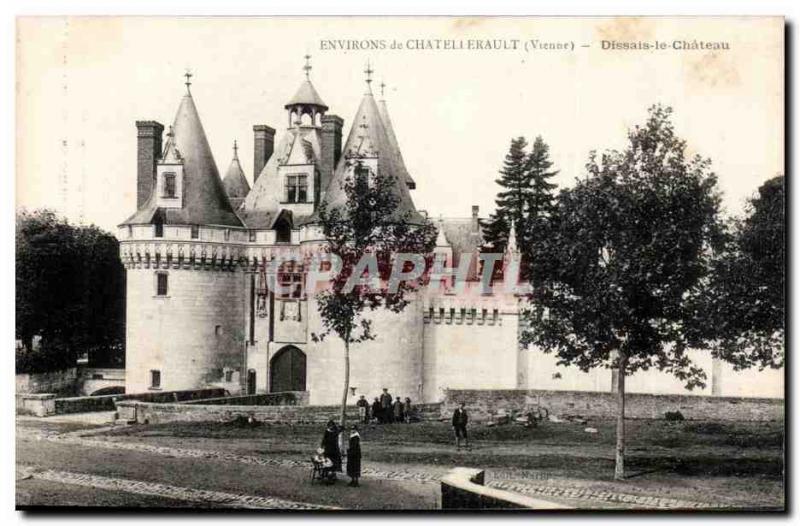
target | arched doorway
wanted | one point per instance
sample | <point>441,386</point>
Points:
<point>287,370</point>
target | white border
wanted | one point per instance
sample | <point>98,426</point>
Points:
<point>12,8</point>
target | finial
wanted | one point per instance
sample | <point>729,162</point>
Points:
<point>235,150</point>
<point>307,67</point>
<point>369,71</point>
<point>188,82</point>
<point>383,85</point>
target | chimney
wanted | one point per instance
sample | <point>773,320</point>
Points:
<point>148,152</point>
<point>263,147</point>
<point>475,218</point>
<point>331,148</point>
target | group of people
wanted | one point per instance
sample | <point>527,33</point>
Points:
<point>385,409</point>
<point>329,455</point>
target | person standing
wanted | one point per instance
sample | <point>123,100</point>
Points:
<point>460,420</point>
<point>363,410</point>
<point>407,411</point>
<point>354,457</point>
<point>386,406</point>
<point>376,411</point>
<point>397,410</point>
<point>330,443</point>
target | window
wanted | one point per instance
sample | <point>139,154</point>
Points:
<point>227,234</point>
<point>296,188</point>
<point>252,236</point>
<point>169,185</point>
<point>161,284</point>
<point>130,231</point>
<point>218,330</point>
<point>229,375</point>
<point>155,379</point>
<point>290,278</point>
<point>159,229</point>
<point>195,231</point>
<point>362,176</point>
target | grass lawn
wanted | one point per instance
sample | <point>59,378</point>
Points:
<point>740,463</point>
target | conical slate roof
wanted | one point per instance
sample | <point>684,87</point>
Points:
<point>204,198</point>
<point>387,123</point>
<point>307,95</point>
<point>235,183</point>
<point>368,128</point>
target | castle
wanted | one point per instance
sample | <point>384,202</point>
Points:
<point>197,250</point>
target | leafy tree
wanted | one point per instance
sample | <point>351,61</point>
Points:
<point>629,247</point>
<point>69,291</point>
<point>369,224</point>
<point>747,288</point>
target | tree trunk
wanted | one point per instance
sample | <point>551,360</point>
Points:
<point>343,416</point>
<point>619,465</point>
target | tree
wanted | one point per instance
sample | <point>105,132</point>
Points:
<point>369,224</point>
<point>70,291</point>
<point>629,247</point>
<point>512,200</point>
<point>746,292</point>
<point>526,200</point>
<point>535,226</point>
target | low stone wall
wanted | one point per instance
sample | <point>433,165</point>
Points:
<point>35,404</point>
<point>463,489</point>
<point>159,413</point>
<point>86,404</point>
<point>54,382</point>
<point>283,398</point>
<point>482,404</point>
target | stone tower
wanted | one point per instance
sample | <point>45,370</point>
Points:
<point>182,254</point>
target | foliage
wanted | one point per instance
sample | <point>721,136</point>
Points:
<point>629,247</point>
<point>746,292</point>
<point>70,290</point>
<point>526,198</point>
<point>369,223</point>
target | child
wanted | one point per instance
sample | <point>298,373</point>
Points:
<point>354,457</point>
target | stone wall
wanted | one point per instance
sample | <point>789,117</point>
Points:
<point>284,398</point>
<point>86,404</point>
<point>154,413</point>
<point>481,404</point>
<point>59,382</point>
<point>463,489</point>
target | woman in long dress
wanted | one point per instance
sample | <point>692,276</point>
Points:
<point>330,443</point>
<point>354,457</point>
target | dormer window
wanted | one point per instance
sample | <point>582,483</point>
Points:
<point>170,190</point>
<point>296,188</point>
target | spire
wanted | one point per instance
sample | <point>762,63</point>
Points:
<point>387,123</point>
<point>441,240</point>
<point>235,182</point>
<point>188,82</point>
<point>368,133</point>
<point>511,247</point>
<point>368,72</point>
<point>306,95</point>
<point>204,199</point>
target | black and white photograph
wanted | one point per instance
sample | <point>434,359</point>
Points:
<point>433,264</point>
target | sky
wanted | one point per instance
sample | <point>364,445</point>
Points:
<point>83,82</point>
